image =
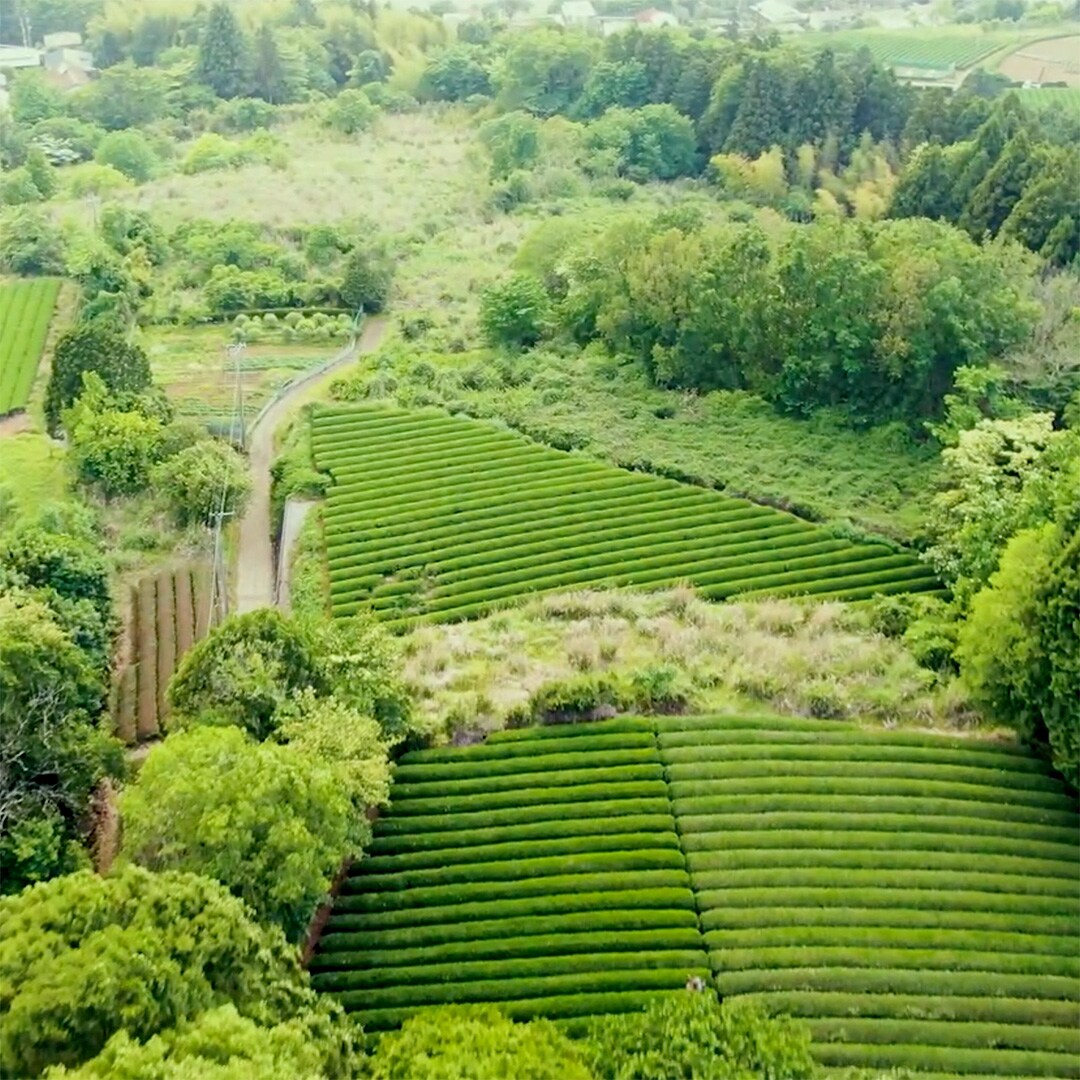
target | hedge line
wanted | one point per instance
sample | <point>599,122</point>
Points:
<point>956,1059</point>
<point>715,772</point>
<point>498,990</point>
<point>595,771</point>
<point>557,1006</point>
<point>455,771</point>
<point>943,881</point>
<point>396,976</point>
<point>843,785</point>
<point>612,828</point>
<point>773,567</point>
<point>920,1007</point>
<point>864,804</point>
<point>532,506</point>
<point>898,897</point>
<point>702,828</point>
<point>893,937</point>
<point>658,911</point>
<point>439,898</point>
<point>520,815</point>
<point>460,544</point>
<point>396,861</point>
<point>575,513</point>
<point>877,859</point>
<point>504,543</point>
<point>514,870</point>
<point>762,844</point>
<point>608,735</point>
<point>756,919</point>
<point>524,797</point>
<point>882,980</point>
<point>502,948</point>
<point>871,749</point>
<point>549,735</point>
<point>440,506</point>
<point>949,1033</point>
<point>926,960</point>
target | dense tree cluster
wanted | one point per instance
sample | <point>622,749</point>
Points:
<point>56,634</point>
<point>870,319</point>
<point>1009,177</point>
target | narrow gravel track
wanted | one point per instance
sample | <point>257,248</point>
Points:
<point>255,570</point>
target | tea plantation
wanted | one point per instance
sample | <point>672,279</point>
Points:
<point>26,308</point>
<point>540,869</point>
<point>913,896</point>
<point>434,518</point>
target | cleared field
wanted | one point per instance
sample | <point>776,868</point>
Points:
<point>168,614</point>
<point>198,376</point>
<point>433,518</point>
<point>540,870</point>
<point>933,48</point>
<point>916,898</point>
<point>26,306</point>
<point>1051,60</point>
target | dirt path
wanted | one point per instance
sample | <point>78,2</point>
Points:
<point>255,556</point>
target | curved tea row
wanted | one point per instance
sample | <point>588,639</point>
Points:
<point>434,518</point>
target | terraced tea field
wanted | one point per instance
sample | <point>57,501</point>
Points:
<point>916,898</point>
<point>540,870</point>
<point>26,307</point>
<point>434,518</point>
<point>928,47</point>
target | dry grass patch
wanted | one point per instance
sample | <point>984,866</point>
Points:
<point>794,657</point>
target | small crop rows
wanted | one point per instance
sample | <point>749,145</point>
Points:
<point>168,614</point>
<point>540,870</point>
<point>432,518</point>
<point>927,48</point>
<point>26,307</point>
<point>915,898</point>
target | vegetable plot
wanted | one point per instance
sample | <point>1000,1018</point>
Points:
<point>168,614</point>
<point>432,518</point>
<point>26,307</point>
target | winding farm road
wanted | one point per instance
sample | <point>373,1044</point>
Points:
<point>255,569</point>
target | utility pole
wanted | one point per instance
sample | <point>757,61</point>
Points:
<point>219,580</point>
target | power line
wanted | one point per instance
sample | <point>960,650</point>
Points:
<point>219,579</point>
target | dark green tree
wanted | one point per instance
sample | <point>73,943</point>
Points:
<point>610,85</point>
<point>454,74</point>
<point>514,314</point>
<point>95,346</point>
<point>267,71</point>
<point>84,957</point>
<point>761,121</point>
<point>1001,189</point>
<point>923,188</point>
<point>223,60</point>
<point>41,173</point>
<point>367,280</point>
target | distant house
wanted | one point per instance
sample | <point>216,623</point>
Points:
<point>614,24</point>
<point>13,57</point>
<point>776,15</point>
<point>655,19</point>
<point>577,13</point>
<point>67,64</point>
<point>831,18</point>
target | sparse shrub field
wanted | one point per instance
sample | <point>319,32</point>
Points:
<point>912,896</point>
<point>26,308</point>
<point>433,518</point>
<point>540,870</point>
<point>168,614</point>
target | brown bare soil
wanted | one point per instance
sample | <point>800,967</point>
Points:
<point>1050,61</point>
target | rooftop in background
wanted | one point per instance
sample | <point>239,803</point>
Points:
<point>16,56</point>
